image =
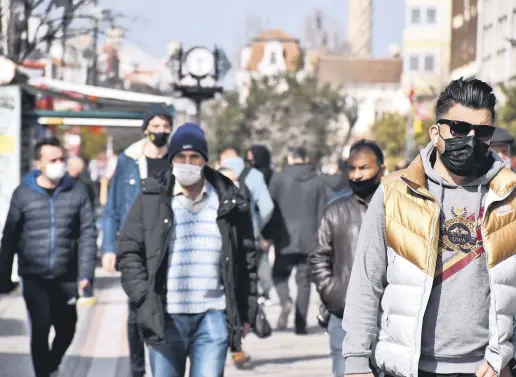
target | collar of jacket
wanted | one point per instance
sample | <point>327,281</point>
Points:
<point>230,197</point>
<point>136,152</point>
<point>30,180</point>
<point>414,176</point>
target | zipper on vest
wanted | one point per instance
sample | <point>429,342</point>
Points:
<point>486,208</point>
<point>435,219</point>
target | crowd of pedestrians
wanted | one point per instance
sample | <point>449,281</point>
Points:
<point>415,270</point>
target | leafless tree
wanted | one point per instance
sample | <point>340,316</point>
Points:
<point>33,24</point>
<point>321,31</point>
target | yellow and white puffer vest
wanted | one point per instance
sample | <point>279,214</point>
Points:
<point>412,218</point>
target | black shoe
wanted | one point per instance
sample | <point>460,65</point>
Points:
<point>285,312</point>
<point>138,374</point>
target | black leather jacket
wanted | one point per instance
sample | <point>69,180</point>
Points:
<point>331,258</point>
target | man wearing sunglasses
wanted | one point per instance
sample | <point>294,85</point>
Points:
<point>433,285</point>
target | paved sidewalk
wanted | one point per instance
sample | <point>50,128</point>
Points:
<point>100,348</point>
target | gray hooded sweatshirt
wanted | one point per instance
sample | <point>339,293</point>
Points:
<point>455,325</point>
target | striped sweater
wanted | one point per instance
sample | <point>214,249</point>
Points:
<point>194,282</point>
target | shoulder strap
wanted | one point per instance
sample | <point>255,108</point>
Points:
<point>244,174</point>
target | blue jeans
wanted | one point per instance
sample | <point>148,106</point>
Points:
<point>201,337</point>
<point>336,338</point>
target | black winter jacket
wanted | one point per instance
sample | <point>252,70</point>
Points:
<point>300,196</point>
<point>143,247</point>
<point>55,236</point>
<point>331,259</point>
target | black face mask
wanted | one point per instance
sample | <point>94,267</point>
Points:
<point>464,156</point>
<point>367,187</point>
<point>159,139</point>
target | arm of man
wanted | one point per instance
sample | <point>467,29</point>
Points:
<point>131,255</point>
<point>322,198</point>
<point>320,260</point>
<point>260,192</point>
<point>87,238</point>
<point>365,290</point>
<point>247,279</point>
<point>10,240</point>
<point>110,215</point>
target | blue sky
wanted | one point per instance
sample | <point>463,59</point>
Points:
<point>223,22</point>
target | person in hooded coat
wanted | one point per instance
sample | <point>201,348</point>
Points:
<point>301,196</point>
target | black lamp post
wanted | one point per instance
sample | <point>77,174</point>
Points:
<point>197,72</point>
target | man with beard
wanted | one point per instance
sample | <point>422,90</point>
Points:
<point>188,262</point>
<point>433,287</point>
<point>332,257</point>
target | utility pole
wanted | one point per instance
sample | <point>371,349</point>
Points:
<point>96,21</point>
<point>409,130</point>
<point>5,8</point>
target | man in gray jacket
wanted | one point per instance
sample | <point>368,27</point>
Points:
<point>433,284</point>
<point>331,258</point>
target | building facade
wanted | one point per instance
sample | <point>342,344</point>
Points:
<point>496,43</point>
<point>374,86</point>
<point>426,46</point>
<point>270,54</point>
<point>464,32</point>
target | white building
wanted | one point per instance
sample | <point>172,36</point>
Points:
<point>426,46</point>
<point>271,53</point>
<point>463,57</point>
<point>495,53</point>
<point>373,84</point>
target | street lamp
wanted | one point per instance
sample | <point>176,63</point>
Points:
<point>196,72</point>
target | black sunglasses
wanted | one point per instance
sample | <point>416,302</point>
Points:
<point>459,128</point>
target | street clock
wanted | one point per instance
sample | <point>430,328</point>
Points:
<point>199,62</point>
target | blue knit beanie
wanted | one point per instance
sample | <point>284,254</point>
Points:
<point>188,137</point>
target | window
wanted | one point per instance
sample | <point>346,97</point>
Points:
<point>431,16</point>
<point>414,63</point>
<point>415,16</point>
<point>274,59</point>
<point>429,63</point>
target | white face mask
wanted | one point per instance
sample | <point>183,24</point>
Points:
<point>55,171</point>
<point>186,174</point>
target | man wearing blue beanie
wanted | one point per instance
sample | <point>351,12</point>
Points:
<point>145,158</point>
<point>188,262</point>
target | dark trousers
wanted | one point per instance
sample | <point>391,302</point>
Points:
<point>283,266</point>
<point>264,272</point>
<point>136,346</point>
<point>49,303</point>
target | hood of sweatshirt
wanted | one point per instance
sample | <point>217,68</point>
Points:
<point>300,172</point>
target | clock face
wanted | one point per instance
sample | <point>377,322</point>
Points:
<point>199,62</point>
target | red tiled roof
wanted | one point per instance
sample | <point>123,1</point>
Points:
<point>339,70</point>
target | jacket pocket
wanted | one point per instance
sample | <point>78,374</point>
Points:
<point>149,318</point>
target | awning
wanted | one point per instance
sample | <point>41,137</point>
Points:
<point>92,118</point>
<point>113,98</point>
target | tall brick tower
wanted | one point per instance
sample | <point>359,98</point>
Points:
<point>360,25</point>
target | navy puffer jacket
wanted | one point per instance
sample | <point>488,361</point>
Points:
<point>54,236</point>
